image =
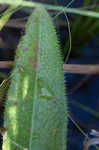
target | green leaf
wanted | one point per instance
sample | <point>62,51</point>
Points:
<point>36,111</point>
<point>51,7</point>
<point>3,87</point>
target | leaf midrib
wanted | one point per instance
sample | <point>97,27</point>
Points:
<point>34,97</point>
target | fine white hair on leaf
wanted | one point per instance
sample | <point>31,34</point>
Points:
<point>69,30</point>
<point>70,37</point>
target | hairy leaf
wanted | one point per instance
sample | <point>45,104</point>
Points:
<point>35,114</point>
